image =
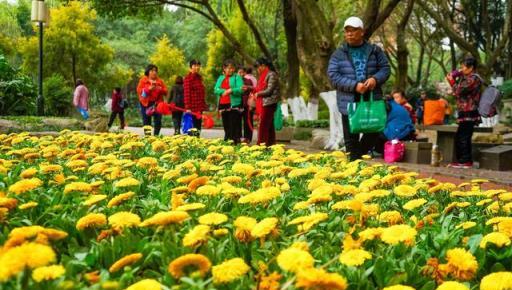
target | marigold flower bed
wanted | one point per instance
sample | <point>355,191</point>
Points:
<point>117,211</point>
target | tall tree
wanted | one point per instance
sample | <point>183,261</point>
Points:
<point>292,56</point>
<point>402,51</point>
<point>169,59</point>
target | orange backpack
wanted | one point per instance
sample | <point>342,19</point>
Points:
<point>434,112</point>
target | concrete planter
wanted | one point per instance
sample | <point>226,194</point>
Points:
<point>285,135</point>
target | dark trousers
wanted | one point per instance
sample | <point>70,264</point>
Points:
<point>113,117</point>
<point>232,123</point>
<point>463,141</point>
<point>355,145</point>
<point>197,122</point>
<point>248,125</point>
<point>266,130</point>
<point>146,120</point>
<point>176,122</point>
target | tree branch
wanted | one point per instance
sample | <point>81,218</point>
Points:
<point>254,29</point>
<point>377,19</point>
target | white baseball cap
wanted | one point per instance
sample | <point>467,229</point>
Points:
<point>355,22</point>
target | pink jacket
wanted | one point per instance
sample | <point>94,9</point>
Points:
<point>81,97</point>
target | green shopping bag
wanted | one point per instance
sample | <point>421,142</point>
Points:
<point>367,116</point>
<point>278,118</point>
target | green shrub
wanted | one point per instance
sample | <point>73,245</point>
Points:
<point>17,91</point>
<point>323,115</point>
<point>312,124</point>
<point>506,88</point>
<point>302,135</point>
<point>58,96</point>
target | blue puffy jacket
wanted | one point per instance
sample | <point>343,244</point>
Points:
<point>343,76</point>
<point>399,124</point>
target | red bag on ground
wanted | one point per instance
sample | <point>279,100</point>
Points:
<point>394,151</point>
<point>208,122</point>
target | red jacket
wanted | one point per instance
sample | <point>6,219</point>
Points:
<point>194,93</point>
<point>155,95</point>
<point>116,101</point>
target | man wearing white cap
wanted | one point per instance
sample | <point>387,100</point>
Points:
<point>355,69</point>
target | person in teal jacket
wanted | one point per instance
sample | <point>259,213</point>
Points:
<point>228,91</point>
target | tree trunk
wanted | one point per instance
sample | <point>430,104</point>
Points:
<point>314,42</point>
<point>292,57</point>
<point>73,67</point>
<point>402,51</point>
<point>254,29</point>
<point>374,17</point>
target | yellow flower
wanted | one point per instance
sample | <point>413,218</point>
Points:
<point>197,236</point>
<point>28,205</point>
<point>505,227</point>
<point>31,255</point>
<point>241,168</point>
<point>461,264</point>
<point>94,199</point>
<point>220,232</point>
<point>498,239</point>
<point>210,190</point>
<point>466,225</point>
<point>354,257</point>
<point>50,168</point>
<point>320,279</point>
<point>452,285</point>
<point>177,266</point>
<point>127,182</point>
<point>28,173</point>
<point>244,226</point>
<point>165,218</point>
<point>371,233</point>
<point>306,222</point>
<point>497,281</point>
<point>410,205</point>
<point>351,204</point>
<point>91,220</point>
<point>191,206</point>
<point>405,190</point>
<point>146,284</point>
<point>77,186</point>
<point>399,233</point>
<point>294,260</point>
<point>110,285</point>
<point>262,195</point>
<point>118,199</point>
<point>48,273</point>
<point>398,287</point>
<point>25,185</point>
<point>125,261</point>
<point>264,227</point>
<point>213,218</point>
<point>8,202</point>
<point>229,270</point>
<point>123,219</point>
<point>392,217</point>
<point>147,162</point>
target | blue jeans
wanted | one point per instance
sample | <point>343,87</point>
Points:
<point>146,120</point>
<point>83,112</point>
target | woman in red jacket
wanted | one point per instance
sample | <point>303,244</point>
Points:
<point>117,108</point>
<point>151,91</point>
<point>194,92</point>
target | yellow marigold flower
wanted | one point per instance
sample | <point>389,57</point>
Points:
<point>158,146</point>
<point>323,190</point>
<point>125,261</point>
<point>452,285</point>
<point>28,205</point>
<point>264,227</point>
<point>305,223</point>
<point>244,226</point>
<point>505,227</point>
<point>8,202</point>
<point>28,173</point>
<point>466,225</point>
<point>91,220</point>
<point>59,178</point>
<point>345,189</point>
<point>241,168</point>
<point>351,204</point>
<point>187,179</point>
<point>165,218</point>
<point>405,190</point>
<point>229,271</point>
<point>48,273</point>
<point>443,187</point>
<point>398,287</point>
<point>77,163</point>
<point>300,245</point>
<point>220,232</point>
<point>232,179</point>
<point>31,255</point>
<point>415,203</point>
<point>118,199</point>
<point>270,282</point>
<point>123,219</point>
<point>197,236</point>
<point>497,281</point>
<point>213,218</point>
<point>294,260</point>
<point>320,279</point>
<point>498,239</point>
<point>127,182</point>
<point>191,206</point>
<point>354,257</point>
<point>177,266</point>
<point>399,233</point>
<point>146,284</point>
<point>496,220</point>
<point>210,190</point>
<point>392,217</point>
<point>94,199</point>
<point>25,185</point>
<point>461,264</point>
<point>262,195</point>
<point>110,285</point>
<point>371,233</point>
<point>78,187</point>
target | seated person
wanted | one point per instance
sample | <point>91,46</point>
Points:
<point>434,112</point>
<point>399,97</point>
<point>398,126</point>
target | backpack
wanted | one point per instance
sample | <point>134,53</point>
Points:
<point>489,101</point>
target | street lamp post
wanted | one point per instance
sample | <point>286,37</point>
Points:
<point>40,15</point>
